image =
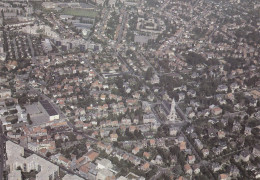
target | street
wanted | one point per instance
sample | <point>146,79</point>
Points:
<point>2,143</point>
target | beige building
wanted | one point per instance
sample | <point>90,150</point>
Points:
<point>5,93</point>
<point>15,160</point>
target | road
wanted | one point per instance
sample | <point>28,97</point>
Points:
<point>2,143</point>
<point>144,58</point>
<point>31,47</point>
<point>15,49</point>
<point>122,28</point>
<point>130,69</point>
<point>99,75</point>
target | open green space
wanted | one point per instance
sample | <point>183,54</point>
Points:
<point>79,12</point>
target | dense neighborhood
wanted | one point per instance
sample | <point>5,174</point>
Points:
<point>130,89</point>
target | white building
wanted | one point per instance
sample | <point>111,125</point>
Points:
<point>49,110</point>
<point>5,93</point>
<point>104,174</point>
<point>15,159</point>
<point>172,116</point>
<point>104,164</point>
<point>72,177</point>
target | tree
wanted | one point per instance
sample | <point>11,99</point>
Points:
<point>58,143</point>
<point>29,118</point>
<point>250,110</point>
<point>148,74</point>
<point>48,154</point>
<point>193,59</point>
<point>138,134</point>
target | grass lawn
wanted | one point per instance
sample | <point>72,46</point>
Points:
<point>80,12</point>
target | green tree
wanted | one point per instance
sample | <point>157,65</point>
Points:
<point>148,74</point>
<point>29,118</point>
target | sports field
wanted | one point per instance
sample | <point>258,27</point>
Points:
<point>79,12</point>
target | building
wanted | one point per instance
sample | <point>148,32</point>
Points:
<point>49,110</point>
<point>256,151</point>
<point>15,175</point>
<point>15,159</point>
<point>105,174</point>
<point>113,137</point>
<point>104,164</point>
<point>172,116</point>
<point>72,177</point>
<point>5,93</point>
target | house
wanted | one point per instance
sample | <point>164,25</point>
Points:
<point>221,134</point>
<point>182,146</point>
<point>126,121</point>
<point>158,160</point>
<point>216,111</point>
<point>103,97</point>
<point>136,150</point>
<point>136,121</point>
<point>155,79</point>
<point>122,178</point>
<point>149,118</point>
<point>223,177</point>
<point>194,135</point>
<point>132,128</point>
<point>173,131</point>
<point>217,150</point>
<point>222,88</point>
<point>64,161</point>
<point>256,174</point>
<point>5,93</point>
<point>190,130</point>
<point>134,160</point>
<point>113,137</point>
<point>211,132</point>
<point>91,155</point>
<point>245,155</point>
<point>234,86</point>
<point>152,142</point>
<point>196,168</point>
<point>247,131</point>
<point>236,126</point>
<point>198,144</point>
<point>230,96</point>
<point>105,174</point>
<point>174,159</point>
<point>256,151</point>
<point>191,159</point>
<point>145,166</point>
<point>224,122</point>
<point>104,164</point>
<point>181,178</point>
<point>181,96</point>
<point>188,169</point>
<point>191,93</point>
<point>234,171</point>
<point>216,166</point>
<point>147,155</point>
<point>205,152</point>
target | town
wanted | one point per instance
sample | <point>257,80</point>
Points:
<point>130,89</point>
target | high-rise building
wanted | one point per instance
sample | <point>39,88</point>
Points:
<point>172,116</point>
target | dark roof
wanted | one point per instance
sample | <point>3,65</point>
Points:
<point>48,107</point>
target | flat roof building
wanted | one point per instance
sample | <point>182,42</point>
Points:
<point>50,111</point>
<point>46,170</point>
<point>72,177</point>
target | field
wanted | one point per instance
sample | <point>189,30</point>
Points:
<point>80,12</point>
